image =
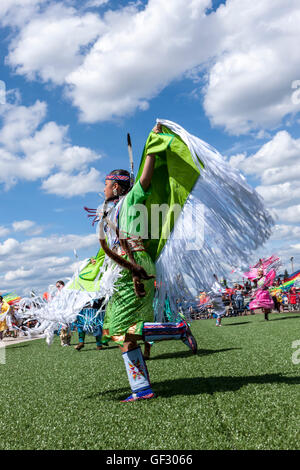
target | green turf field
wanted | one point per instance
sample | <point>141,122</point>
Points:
<point>241,391</point>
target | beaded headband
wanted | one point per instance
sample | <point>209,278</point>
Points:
<point>117,177</point>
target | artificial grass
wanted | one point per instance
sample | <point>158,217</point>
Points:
<point>241,391</point>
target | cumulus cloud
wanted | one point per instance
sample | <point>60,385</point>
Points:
<point>276,166</point>
<point>4,231</point>
<point>37,262</point>
<point>68,185</point>
<point>95,3</point>
<point>17,12</point>
<point>115,61</point>
<point>11,245</point>
<point>20,273</point>
<point>27,226</point>
<point>49,46</point>
<point>280,194</point>
<point>248,86</point>
<point>22,225</point>
<point>274,160</point>
<point>290,214</point>
<point>286,232</point>
<point>55,245</point>
<point>31,150</point>
<point>141,53</point>
<point>20,122</point>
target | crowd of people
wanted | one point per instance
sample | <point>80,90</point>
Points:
<point>11,324</point>
<point>236,301</point>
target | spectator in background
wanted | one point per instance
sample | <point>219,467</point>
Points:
<point>247,286</point>
<point>292,299</point>
<point>297,299</point>
<point>279,300</point>
<point>65,332</point>
<point>12,323</point>
<point>192,313</point>
<point>227,304</point>
<point>4,309</point>
<point>239,299</point>
<point>285,301</point>
<point>276,302</point>
<point>60,285</point>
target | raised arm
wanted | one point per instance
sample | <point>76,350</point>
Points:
<point>148,169</point>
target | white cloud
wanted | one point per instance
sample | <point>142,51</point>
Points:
<point>20,122</point>
<point>4,231</point>
<point>136,52</point>
<point>290,214</point>
<point>37,262</point>
<point>17,12</point>
<point>64,184</point>
<point>55,245</point>
<point>9,246</point>
<point>27,226</point>
<point>20,273</point>
<point>273,161</point>
<point>248,86</point>
<point>280,194</point>
<point>49,46</point>
<point>76,157</point>
<point>22,225</point>
<point>113,62</point>
<point>95,3</point>
<point>141,53</point>
<point>37,230</point>
<point>276,166</point>
<point>32,150</point>
<point>286,232</point>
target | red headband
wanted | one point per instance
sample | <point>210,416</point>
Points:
<point>117,177</point>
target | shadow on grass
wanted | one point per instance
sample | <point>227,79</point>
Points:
<point>240,323</point>
<point>200,385</point>
<point>211,385</point>
<point>183,354</point>
<point>17,346</point>
<point>106,348</point>
<point>284,318</point>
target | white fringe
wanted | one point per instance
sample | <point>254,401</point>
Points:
<point>223,208</point>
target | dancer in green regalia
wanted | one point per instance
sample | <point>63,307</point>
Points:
<point>213,220</point>
<point>130,309</point>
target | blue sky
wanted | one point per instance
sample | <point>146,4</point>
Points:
<point>80,75</point>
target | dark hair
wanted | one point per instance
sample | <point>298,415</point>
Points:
<point>60,282</point>
<point>1,298</point>
<point>125,185</point>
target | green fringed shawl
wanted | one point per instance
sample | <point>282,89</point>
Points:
<point>175,174</point>
<point>88,274</point>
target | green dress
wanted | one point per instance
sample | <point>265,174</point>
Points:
<point>125,312</point>
<point>174,176</point>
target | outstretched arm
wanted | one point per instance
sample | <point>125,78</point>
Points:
<point>148,169</point>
